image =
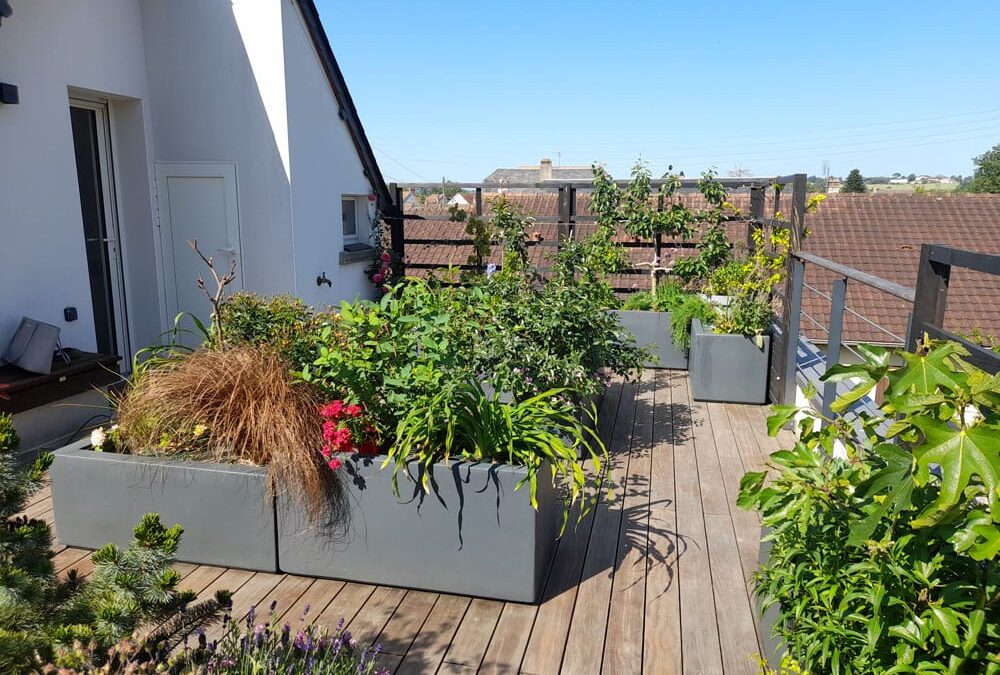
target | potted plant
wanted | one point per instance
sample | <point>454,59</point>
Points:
<point>468,480</point>
<point>730,351</point>
<point>650,316</point>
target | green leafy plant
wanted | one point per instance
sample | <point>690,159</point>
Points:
<point>884,524</point>
<point>462,421</point>
<point>281,322</point>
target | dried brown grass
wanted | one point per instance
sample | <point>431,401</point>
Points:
<point>251,413</point>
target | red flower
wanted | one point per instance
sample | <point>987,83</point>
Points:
<point>386,257</point>
<point>353,410</point>
<point>334,464</point>
<point>329,429</point>
<point>369,448</point>
<point>325,451</point>
<point>341,438</point>
<point>332,409</point>
<point>377,278</point>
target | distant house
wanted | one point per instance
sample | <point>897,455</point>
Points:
<point>142,124</point>
<point>462,200</point>
<point>544,171</point>
<point>898,181</point>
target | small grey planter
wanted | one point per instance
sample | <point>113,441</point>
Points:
<point>471,535</point>
<point>227,516</point>
<point>652,330</point>
<point>729,368</point>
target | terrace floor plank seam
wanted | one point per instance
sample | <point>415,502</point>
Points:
<point>656,581</point>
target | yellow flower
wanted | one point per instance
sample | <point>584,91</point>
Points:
<point>199,429</point>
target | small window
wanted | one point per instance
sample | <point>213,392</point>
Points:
<point>349,211</point>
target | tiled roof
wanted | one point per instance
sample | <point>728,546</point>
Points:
<point>530,174</point>
<point>882,234</point>
<point>878,234</point>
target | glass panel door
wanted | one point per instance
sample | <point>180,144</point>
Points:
<point>93,169</point>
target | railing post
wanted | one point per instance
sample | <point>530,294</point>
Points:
<point>479,202</point>
<point>395,220</point>
<point>793,311</point>
<point>837,298</point>
<point>930,298</point>
<point>564,207</point>
<point>756,212</point>
<point>798,210</point>
<point>572,213</point>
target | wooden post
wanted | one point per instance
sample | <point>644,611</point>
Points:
<point>791,304</point>
<point>479,202</point>
<point>572,213</point>
<point>798,210</point>
<point>756,212</point>
<point>837,298</point>
<point>931,297</point>
<point>793,314</point>
<point>395,220</point>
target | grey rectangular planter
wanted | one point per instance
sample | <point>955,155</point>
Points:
<point>227,516</point>
<point>471,535</point>
<point>729,368</point>
<point>652,330</point>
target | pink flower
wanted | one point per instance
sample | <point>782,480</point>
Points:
<point>325,451</point>
<point>352,410</point>
<point>377,277</point>
<point>371,197</point>
<point>341,438</point>
<point>329,429</point>
<point>386,258</point>
<point>332,409</point>
<point>334,464</point>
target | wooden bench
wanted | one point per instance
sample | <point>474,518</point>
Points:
<point>21,390</point>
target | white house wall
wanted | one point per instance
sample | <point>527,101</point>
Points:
<point>186,81</point>
<point>46,47</point>
<point>324,166</point>
<point>216,99</point>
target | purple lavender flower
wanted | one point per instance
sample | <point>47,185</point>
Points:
<point>285,631</point>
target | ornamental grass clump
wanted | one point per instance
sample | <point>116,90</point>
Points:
<point>240,406</point>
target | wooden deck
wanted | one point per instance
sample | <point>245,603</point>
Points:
<point>653,581</point>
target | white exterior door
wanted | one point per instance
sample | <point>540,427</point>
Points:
<point>197,202</point>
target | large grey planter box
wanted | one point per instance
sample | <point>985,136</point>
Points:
<point>227,516</point>
<point>729,368</point>
<point>471,535</point>
<point>652,330</point>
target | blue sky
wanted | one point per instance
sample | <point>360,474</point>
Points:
<point>457,89</point>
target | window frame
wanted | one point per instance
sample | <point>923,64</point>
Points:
<point>350,238</point>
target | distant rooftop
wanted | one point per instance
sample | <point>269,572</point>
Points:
<point>541,172</point>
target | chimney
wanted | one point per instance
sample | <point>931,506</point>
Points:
<point>545,170</point>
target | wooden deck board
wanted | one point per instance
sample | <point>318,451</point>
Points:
<point>547,643</point>
<point>426,652</point>
<point>700,647</point>
<point>588,628</point>
<point>662,629</point>
<point>634,588</point>
<point>624,639</point>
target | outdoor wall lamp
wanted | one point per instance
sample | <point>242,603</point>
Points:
<point>8,93</point>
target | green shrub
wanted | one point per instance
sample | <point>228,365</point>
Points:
<point>884,526</point>
<point>282,322</point>
<point>41,617</point>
